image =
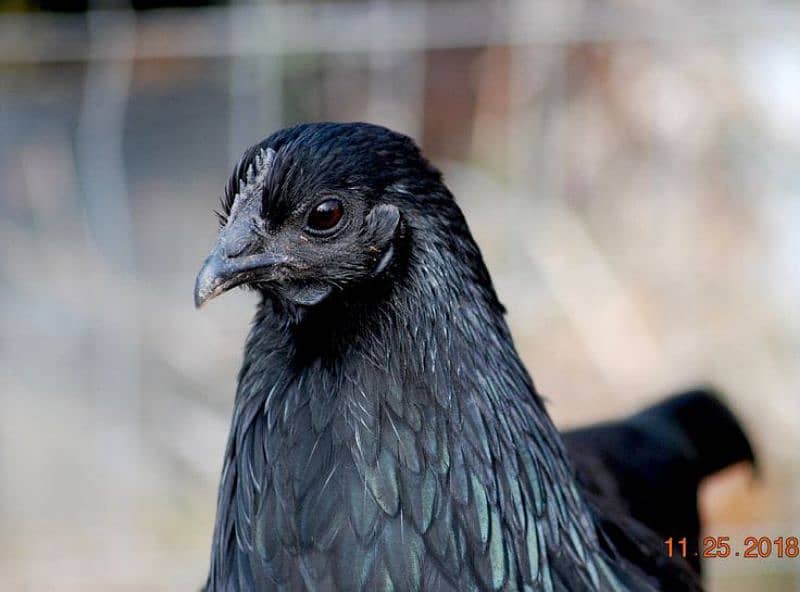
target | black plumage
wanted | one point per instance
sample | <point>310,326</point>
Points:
<point>649,466</point>
<point>385,434</point>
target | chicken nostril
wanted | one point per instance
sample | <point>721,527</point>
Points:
<point>235,250</point>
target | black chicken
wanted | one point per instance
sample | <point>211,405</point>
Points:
<point>385,434</point>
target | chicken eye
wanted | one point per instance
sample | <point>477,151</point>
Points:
<point>325,215</point>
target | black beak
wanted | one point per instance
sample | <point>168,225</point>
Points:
<point>220,273</point>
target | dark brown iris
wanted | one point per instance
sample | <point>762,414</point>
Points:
<point>325,215</point>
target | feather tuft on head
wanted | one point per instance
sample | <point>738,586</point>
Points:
<point>249,179</point>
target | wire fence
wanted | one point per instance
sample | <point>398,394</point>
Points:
<point>628,171</point>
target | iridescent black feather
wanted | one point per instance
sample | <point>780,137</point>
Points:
<point>389,438</point>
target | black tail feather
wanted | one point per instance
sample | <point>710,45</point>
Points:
<point>716,438</point>
<point>648,467</point>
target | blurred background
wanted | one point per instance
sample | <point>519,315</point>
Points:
<point>630,173</point>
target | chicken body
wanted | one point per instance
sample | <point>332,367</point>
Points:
<point>385,434</point>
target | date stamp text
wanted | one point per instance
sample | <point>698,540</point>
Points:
<point>721,547</point>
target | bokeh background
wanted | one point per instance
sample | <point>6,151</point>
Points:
<point>630,170</point>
